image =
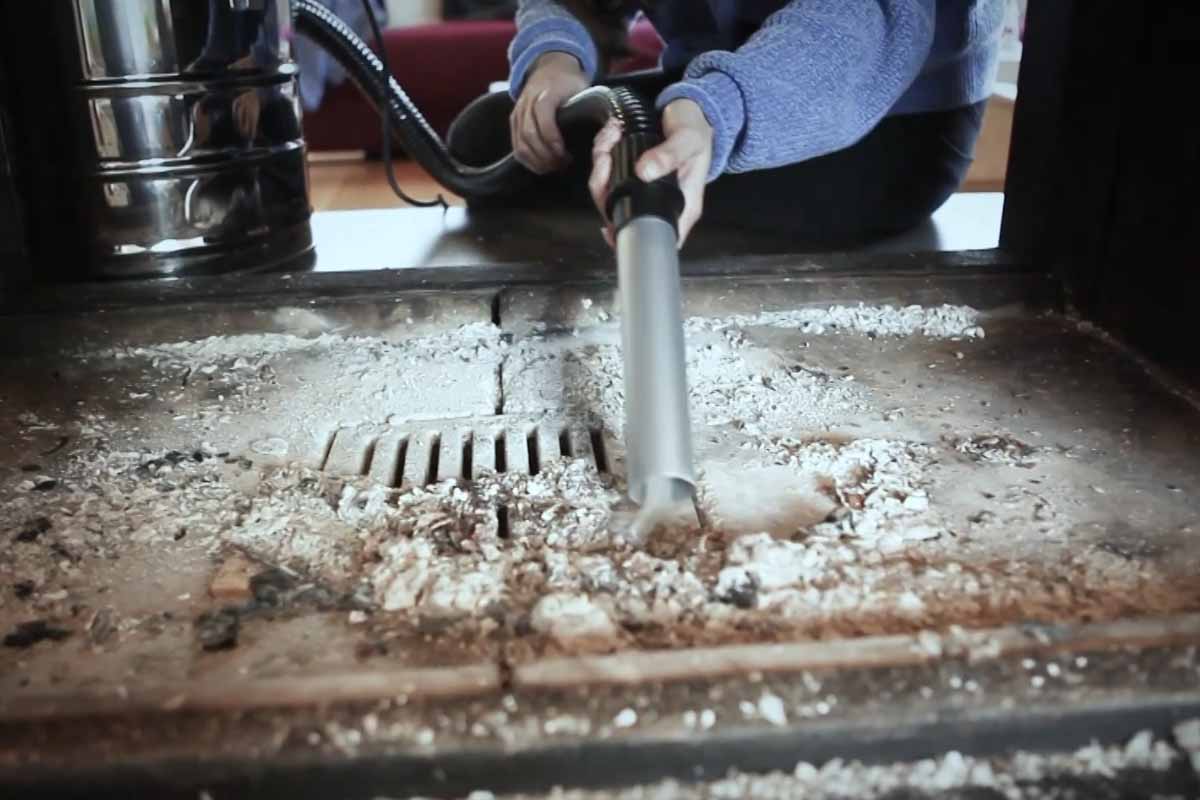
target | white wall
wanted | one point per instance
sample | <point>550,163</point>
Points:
<point>413,12</point>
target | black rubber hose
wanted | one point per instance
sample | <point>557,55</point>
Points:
<point>588,110</point>
<point>420,141</point>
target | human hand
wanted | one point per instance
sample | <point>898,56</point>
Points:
<point>246,108</point>
<point>686,151</point>
<point>537,141</point>
<point>245,62</point>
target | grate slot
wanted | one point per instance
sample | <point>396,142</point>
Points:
<point>435,456</point>
<point>468,457</point>
<point>368,458</point>
<point>403,458</point>
<point>598,450</point>
<point>533,461</point>
<point>498,455</point>
<point>326,450</point>
<point>401,454</point>
<point>388,460</point>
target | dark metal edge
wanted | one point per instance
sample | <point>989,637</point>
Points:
<point>256,288</point>
<point>616,763</point>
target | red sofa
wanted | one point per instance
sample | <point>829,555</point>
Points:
<point>443,67</point>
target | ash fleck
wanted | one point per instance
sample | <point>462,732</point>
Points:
<point>995,449</point>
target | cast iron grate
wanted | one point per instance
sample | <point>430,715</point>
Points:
<point>425,455</point>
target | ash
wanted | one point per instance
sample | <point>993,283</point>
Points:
<point>462,343</point>
<point>732,382</point>
<point>1020,776</point>
<point>941,322</point>
<point>868,550</point>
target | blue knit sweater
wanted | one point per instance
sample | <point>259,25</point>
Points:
<point>784,81</point>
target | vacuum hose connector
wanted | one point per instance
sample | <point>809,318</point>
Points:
<point>629,197</point>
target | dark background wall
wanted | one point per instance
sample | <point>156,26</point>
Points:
<point>1104,177</point>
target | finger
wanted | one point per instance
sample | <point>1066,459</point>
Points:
<point>668,157</point>
<point>547,127</point>
<point>598,181</point>
<point>692,184</point>
<point>541,157</point>
<point>515,132</point>
<point>535,137</point>
<point>523,140</point>
<point>610,238</point>
<point>514,139</point>
<point>607,138</point>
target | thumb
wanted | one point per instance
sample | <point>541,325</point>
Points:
<point>663,160</point>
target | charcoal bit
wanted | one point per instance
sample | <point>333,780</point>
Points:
<point>60,550</point>
<point>318,597</point>
<point>270,587</point>
<point>742,595</point>
<point>33,530</point>
<point>27,634</point>
<point>102,626</point>
<point>218,630</point>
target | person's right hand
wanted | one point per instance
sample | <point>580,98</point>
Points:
<point>537,141</point>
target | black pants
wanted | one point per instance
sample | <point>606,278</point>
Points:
<point>888,182</point>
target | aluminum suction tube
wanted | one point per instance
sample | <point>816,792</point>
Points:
<point>658,434</point>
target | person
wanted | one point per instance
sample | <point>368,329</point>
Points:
<point>835,121</point>
<point>319,71</point>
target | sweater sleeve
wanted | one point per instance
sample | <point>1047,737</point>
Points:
<point>816,77</point>
<point>544,26</point>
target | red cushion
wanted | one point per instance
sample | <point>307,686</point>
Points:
<point>646,47</point>
<point>443,67</point>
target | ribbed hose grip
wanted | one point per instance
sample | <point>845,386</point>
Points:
<point>629,197</point>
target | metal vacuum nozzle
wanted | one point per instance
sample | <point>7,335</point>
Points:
<point>658,435</point>
<point>658,440</point>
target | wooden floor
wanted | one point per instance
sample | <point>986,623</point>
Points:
<point>346,180</point>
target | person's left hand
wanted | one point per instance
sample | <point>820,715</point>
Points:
<point>246,108</point>
<point>686,151</point>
